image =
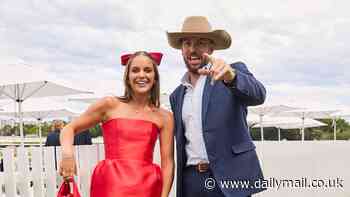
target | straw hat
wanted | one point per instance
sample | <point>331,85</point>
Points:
<point>199,26</point>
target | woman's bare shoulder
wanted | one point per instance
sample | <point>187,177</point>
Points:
<point>166,115</point>
<point>108,101</point>
<point>104,105</point>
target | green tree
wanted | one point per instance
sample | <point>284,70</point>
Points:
<point>96,131</point>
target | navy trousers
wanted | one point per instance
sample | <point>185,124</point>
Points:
<point>200,184</point>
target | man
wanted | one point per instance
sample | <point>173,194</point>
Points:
<point>210,108</point>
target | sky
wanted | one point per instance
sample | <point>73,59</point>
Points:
<point>298,49</point>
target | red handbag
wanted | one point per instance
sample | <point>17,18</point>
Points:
<point>68,189</point>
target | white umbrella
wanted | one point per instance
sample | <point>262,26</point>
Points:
<point>264,110</point>
<point>307,113</point>
<point>20,82</point>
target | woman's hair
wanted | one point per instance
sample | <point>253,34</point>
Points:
<point>57,125</point>
<point>155,90</point>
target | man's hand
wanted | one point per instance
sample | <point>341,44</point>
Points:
<point>219,69</point>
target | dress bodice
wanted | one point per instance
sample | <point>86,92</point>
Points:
<point>131,139</point>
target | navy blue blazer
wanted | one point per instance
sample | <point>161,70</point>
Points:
<point>230,149</point>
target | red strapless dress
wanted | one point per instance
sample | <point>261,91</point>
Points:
<point>128,169</point>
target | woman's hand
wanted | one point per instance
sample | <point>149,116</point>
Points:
<point>67,166</point>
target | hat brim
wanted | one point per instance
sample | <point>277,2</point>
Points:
<point>221,39</point>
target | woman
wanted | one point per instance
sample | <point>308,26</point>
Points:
<point>131,125</point>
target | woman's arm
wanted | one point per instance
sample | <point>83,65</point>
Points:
<point>92,116</point>
<point>167,153</point>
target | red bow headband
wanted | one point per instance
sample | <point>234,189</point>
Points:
<point>157,57</point>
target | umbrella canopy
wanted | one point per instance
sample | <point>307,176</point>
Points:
<point>23,90</point>
<point>264,110</point>
<point>20,82</point>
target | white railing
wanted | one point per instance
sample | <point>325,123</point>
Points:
<point>32,171</point>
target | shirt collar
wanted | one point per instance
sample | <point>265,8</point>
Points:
<point>185,80</point>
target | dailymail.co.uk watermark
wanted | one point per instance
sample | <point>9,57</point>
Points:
<point>275,183</point>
